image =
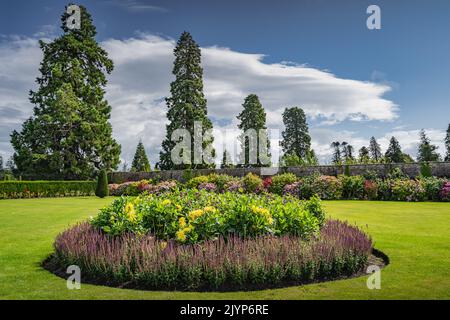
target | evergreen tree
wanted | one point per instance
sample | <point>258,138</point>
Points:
<point>226,160</point>
<point>336,159</point>
<point>253,117</point>
<point>427,151</point>
<point>447,144</point>
<point>187,104</point>
<point>125,167</point>
<point>102,190</point>
<point>296,139</point>
<point>140,161</point>
<point>347,152</point>
<point>375,150</point>
<point>69,136</point>
<point>1,164</point>
<point>407,158</point>
<point>363,155</point>
<point>10,166</point>
<point>394,152</point>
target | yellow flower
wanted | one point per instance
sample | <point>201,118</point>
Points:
<point>166,202</point>
<point>182,222</point>
<point>178,207</point>
<point>181,236</point>
<point>195,214</point>
<point>209,209</point>
<point>130,212</point>
<point>264,212</point>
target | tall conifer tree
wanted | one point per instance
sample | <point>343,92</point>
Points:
<point>394,152</point>
<point>187,104</point>
<point>253,117</point>
<point>375,150</point>
<point>69,135</point>
<point>296,139</point>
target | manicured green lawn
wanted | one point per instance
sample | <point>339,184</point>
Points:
<point>416,237</point>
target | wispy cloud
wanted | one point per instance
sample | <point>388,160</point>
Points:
<point>136,6</point>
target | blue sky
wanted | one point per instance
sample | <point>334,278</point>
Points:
<point>403,69</point>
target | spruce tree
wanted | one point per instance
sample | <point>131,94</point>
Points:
<point>427,151</point>
<point>363,155</point>
<point>296,139</point>
<point>187,104</point>
<point>253,118</point>
<point>140,160</point>
<point>447,144</point>
<point>375,150</point>
<point>69,135</point>
<point>394,152</point>
<point>1,164</point>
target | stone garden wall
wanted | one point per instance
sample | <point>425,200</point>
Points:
<point>439,169</point>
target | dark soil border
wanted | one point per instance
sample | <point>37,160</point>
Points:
<point>50,264</point>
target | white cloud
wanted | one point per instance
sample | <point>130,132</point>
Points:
<point>142,75</point>
<point>136,6</point>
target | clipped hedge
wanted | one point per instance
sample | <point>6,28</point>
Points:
<point>45,189</point>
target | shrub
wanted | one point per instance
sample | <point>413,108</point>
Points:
<point>235,263</point>
<point>280,181</point>
<point>195,182</point>
<point>370,175</point>
<point>45,189</point>
<point>143,186</point>
<point>352,187</point>
<point>252,183</point>
<point>371,190</point>
<point>234,185</point>
<point>432,186</point>
<point>425,169</point>
<point>267,183</point>
<point>396,173</point>
<point>220,180</point>
<point>445,191</point>
<point>407,190</point>
<point>327,187</point>
<point>190,216</point>
<point>102,185</point>
<point>208,186</point>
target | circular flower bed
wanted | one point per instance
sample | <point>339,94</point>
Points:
<point>197,240</point>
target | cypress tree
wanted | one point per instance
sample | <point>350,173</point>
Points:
<point>69,135</point>
<point>394,152</point>
<point>187,104</point>
<point>140,161</point>
<point>253,117</point>
<point>102,190</point>
<point>296,139</point>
